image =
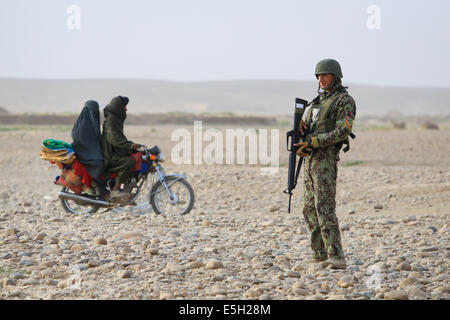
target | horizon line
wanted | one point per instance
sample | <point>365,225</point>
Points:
<point>219,80</point>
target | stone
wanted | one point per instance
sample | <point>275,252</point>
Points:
<point>47,273</point>
<point>18,276</point>
<point>298,267</point>
<point>152,251</point>
<point>30,282</point>
<point>27,262</point>
<point>218,290</point>
<point>239,285</point>
<point>218,278</point>
<point>403,266</point>
<point>429,249</point>
<point>165,295</point>
<point>378,206</point>
<point>407,282</point>
<point>432,229</point>
<point>293,274</point>
<point>414,291</point>
<point>120,257</point>
<point>214,264</point>
<point>440,269</point>
<point>336,297</point>
<point>101,241</point>
<point>415,274</point>
<point>415,266</point>
<point>76,247</point>
<point>211,249</point>
<point>124,274</point>
<point>173,267</point>
<point>91,264</point>
<point>40,236</point>
<point>130,235</point>
<point>351,212</point>
<point>439,278</point>
<point>274,208</point>
<point>253,292</point>
<point>51,282</point>
<point>206,223</point>
<point>396,295</point>
<point>11,232</point>
<point>315,297</point>
<point>195,264</point>
<point>325,287</point>
<point>409,219</point>
<point>62,284</point>
<point>48,263</point>
<point>6,256</point>
<point>4,195</point>
<point>344,279</point>
<point>300,291</point>
<point>127,250</point>
<point>8,282</point>
<point>299,284</point>
<point>53,240</point>
<point>175,233</point>
<point>11,238</point>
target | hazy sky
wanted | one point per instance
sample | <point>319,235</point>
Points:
<point>196,40</point>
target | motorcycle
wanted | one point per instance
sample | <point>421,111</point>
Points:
<point>169,194</point>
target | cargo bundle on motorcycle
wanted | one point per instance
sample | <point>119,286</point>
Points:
<point>73,174</point>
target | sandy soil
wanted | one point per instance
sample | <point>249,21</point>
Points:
<point>238,242</point>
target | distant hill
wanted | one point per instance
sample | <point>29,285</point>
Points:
<point>265,97</point>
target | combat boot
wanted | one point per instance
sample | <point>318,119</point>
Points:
<point>334,263</point>
<point>316,259</point>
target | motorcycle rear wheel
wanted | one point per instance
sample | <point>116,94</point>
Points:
<point>71,206</point>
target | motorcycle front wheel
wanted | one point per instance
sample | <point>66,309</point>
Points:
<point>180,202</point>
<point>75,207</point>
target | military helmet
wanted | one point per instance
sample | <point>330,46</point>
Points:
<point>329,66</point>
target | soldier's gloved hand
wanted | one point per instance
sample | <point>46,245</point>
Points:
<point>302,128</point>
<point>305,149</point>
<point>135,146</point>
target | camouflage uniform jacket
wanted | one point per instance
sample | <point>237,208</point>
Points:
<point>342,114</point>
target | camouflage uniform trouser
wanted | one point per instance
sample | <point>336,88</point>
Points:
<point>319,210</point>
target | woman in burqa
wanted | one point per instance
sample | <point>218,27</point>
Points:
<point>86,140</point>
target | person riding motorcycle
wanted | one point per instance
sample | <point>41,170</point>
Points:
<point>115,145</point>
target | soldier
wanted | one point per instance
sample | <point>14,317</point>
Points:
<point>329,119</point>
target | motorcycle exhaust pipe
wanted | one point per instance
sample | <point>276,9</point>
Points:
<point>75,197</point>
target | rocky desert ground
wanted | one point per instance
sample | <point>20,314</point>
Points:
<point>238,242</point>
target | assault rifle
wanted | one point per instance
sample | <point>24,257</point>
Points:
<point>295,135</point>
